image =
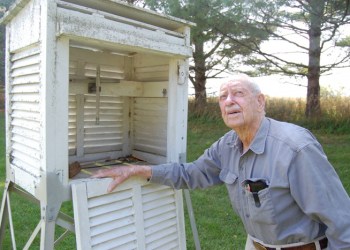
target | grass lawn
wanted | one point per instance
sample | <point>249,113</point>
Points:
<point>218,227</point>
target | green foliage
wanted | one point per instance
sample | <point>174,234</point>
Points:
<point>291,23</point>
<point>215,21</point>
<point>6,3</point>
<point>344,42</point>
<point>219,25</point>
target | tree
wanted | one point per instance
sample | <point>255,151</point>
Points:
<point>217,21</point>
<point>135,2</point>
<point>344,42</point>
<point>312,28</point>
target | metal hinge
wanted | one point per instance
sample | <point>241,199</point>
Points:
<point>181,71</point>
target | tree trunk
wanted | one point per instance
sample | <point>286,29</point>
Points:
<point>200,90</point>
<point>313,105</point>
<point>200,78</point>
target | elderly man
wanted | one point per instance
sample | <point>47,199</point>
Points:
<point>278,178</point>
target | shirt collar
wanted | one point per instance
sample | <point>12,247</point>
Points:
<point>258,144</point>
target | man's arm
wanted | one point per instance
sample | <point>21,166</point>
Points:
<point>320,194</point>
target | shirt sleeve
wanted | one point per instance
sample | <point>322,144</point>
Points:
<point>317,189</point>
<point>201,173</point>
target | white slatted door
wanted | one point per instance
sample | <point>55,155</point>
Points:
<point>24,116</point>
<point>160,214</point>
<point>137,215</point>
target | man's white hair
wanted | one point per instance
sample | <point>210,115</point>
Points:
<point>244,78</point>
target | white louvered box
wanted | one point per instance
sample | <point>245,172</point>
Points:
<point>92,81</point>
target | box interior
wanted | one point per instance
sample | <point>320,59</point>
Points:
<point>117,105</point>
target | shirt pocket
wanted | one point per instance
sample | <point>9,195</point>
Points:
<point>227,177</point>
<point>265,213</point>
<point>233,188</point>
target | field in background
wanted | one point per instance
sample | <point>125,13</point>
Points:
<point>335,112</point>
<point>219,228</point>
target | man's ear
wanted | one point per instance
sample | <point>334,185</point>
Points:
<point>261,101</point>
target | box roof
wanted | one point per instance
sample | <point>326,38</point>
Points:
<point>113,7</point>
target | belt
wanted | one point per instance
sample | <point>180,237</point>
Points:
<point>309,246</point>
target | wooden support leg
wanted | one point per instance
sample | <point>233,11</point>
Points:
<point>47,237</point>
<point>192,219</point>
<point>50,216</point>
<point>32,237</point>
<point>5,216</point>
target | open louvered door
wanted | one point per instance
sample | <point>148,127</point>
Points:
<point>137,215</point>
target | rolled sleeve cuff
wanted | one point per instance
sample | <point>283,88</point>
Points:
<point>158,173</point>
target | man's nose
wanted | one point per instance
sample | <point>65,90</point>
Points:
<point>230,99</point>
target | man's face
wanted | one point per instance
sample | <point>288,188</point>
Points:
<point>240,107</point>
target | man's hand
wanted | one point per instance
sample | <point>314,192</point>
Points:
<point>119,174</point>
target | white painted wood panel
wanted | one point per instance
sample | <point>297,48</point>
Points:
<point>25,162</point>
<point>84,62</point>
<point>33,116</point>
<point>137,215</point>
<point>150,127</point>
<point>152,73</point>
<point>86,135</point>
<point>25,88</point>
<point>54,51</point>
<point>25,141</point>
<point>72,125</point>
<point>177,112</point>
<point>123,12</point>
<point>83,26</point>
<point>137,29</point>
<point>25,177</point>
<point>27,133</point>
<point>26,26</point>
<point>30,107</point>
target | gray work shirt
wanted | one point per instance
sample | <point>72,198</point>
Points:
<point>304,200</point>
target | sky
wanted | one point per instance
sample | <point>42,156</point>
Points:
<point>278,86</point>
<point>337,80</point>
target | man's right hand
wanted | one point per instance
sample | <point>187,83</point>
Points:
<point>119,174</point>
